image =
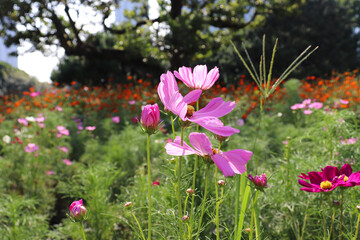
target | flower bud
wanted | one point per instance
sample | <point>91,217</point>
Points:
<point>221,183</point>
<point>358,208</point>
<point>150,118</point>
<point>128,204</point>
<point>247,230</point>
<point>190,191</point>
<point>336,203</point>
<point>260,182</point>
<point>221,138</point>
<point>77,211</point>
<point>185,218</point>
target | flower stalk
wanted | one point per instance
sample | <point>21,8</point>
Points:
<point>149,185</point>
<point>204,200</point>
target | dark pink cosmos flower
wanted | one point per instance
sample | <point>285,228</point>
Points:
<point>200,78</point>
<point>260,181</point>
<point>77,210</point>
<point>329,178</point>
<point>230,163</point>
<point>207,117</point>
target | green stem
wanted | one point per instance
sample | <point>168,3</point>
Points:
<point>256,216</point>
<point>253,218</point>
<point>185,204</point>
<point>341,212</point>
<point>82,230</point>
<point>332,219</point>
<point>217,207</point>
<point>204,200</point>
<point>357,226</point>
<point>149,187</point>
<point>217,222</point>
<point>179,187</point>
<point>194,176</point>
<point>304,224</point>
<point>323,215</point>
<point>138,224</point>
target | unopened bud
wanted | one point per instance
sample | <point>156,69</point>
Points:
<point>247,230</point>
<point>128,204</point>
<point>358,208</point>
<point>77,211</point>
<point>221,138</point>
<point>336,203</point>
<point>185,218</point>
<point>221,183</point>
<point>190,191</point>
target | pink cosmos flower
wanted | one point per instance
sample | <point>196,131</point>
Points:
<point>230,163</point>
<point>115,119</point>
<point>297,106</point>
<point>63,149</point>
<point>23,121</point>
<point>31,147</point>
<point>62,131</point>
<point>307,111</point>
<point>34,94</point>
<point>349,141</point>
<point>200,78</point>
<point>240,122</point>
<point>51,172</point>
<point>90,128</point>
<point>132,102</point>
<point>207,117</point>
<point>150,118</point>
<point>58,108</point>
<point>316,105</point>
<point>345,102</point>
<point>77,210</point>
<point>67,162</point>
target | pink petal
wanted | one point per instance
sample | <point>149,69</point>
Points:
<point>185,75</point>
<point>192,96</point>
<point>214,125</point>
<point>238,159</point>
<point>201,143</point>
<point>175,148</point>
<point>211,78</point>
<point>199,75</point>
<point>217,107</point>
<point>223,165</point>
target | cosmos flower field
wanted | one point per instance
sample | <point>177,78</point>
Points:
<point>186,158</point>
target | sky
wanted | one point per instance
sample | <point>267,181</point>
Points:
<point>37,65</point>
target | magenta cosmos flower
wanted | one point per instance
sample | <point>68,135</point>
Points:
<point>77,210</point>
<point>329,178</point>
<point>230,163</point>
<point>207,117</point>
<point>150,118</point>
<point>200,78</point>
<point>260,181</point>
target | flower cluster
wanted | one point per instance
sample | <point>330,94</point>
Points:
<point>231,162</point>
<point>329,178</point>
<point>307,105</point>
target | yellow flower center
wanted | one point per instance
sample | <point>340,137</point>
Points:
<point>190,111</point>
<point>325,185</point>
<point>345,178</point>
<point>215,151</point>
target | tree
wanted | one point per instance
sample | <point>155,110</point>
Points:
<point>329,24</point>
<point>193,29</point>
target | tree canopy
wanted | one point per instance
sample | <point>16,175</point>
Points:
<point>184,32</point>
